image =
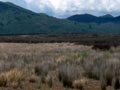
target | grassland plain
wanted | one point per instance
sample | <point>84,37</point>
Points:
<point>58,66</point>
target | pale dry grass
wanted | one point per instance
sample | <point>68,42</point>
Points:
<point>34,63</point>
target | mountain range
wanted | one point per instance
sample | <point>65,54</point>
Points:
<point>15,20</point>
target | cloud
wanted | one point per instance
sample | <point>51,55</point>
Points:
<point>64,8</point>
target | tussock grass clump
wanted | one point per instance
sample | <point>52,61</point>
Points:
<point>44,68</point>
<point>68,73</point>
<point>95,65</point>
<point>49,80</point>
<point>72,57</point>
<point>80,84</point>
<point>92,68</point>
<point>43,72</point>
<point>110,74</point>
<point>15,75</point>
<point>12,78</point>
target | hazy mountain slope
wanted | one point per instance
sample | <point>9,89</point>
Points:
<point>17,20</point>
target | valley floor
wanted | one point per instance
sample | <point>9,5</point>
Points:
<point>58,66</point>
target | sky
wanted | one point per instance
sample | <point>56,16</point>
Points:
<point>65,8</point>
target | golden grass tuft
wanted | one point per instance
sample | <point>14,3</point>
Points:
<point>79,84</point>
<point>12,78</point>
<point>48,80</point>
<point>61,59</point>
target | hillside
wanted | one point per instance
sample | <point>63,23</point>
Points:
<point>16,20</point>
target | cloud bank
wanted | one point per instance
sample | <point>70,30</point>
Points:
<point>64,8</point>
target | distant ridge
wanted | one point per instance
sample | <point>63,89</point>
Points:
<point>107,16</point>
<point>87,18</point>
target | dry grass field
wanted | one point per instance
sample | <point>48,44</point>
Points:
<point>58,66</point>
